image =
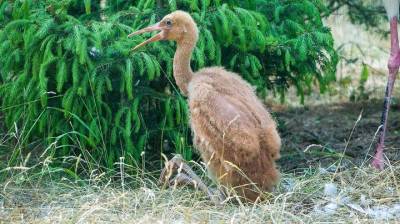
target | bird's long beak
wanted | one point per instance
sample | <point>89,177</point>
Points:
<point>157,37</point>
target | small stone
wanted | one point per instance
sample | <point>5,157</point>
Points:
<point>345,199</point>
<point>330,208</point>
<point>322,171</point>
<point>330,190</point>
<point>332,168</point>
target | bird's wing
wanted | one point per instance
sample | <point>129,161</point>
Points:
<point>226,124</point>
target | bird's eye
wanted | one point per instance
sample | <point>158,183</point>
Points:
<point>168,23</point>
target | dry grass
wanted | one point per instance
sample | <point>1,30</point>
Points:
<point>298,199</point>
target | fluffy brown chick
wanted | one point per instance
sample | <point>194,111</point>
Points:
<point>232,130</point>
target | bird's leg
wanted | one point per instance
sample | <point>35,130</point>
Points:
<point>393,65</point>
<point>186,176</point>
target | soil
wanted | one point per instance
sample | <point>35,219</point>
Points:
<point>320,136</point>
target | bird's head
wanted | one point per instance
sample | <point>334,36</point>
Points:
<point>177,26</point>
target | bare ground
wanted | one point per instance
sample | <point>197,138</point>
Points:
<point>319,135</point>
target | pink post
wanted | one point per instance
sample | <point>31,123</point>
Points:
<point>393,65</point>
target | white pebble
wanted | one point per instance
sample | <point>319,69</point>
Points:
<point>345,200</point>
<point>322,171</point>
<point>330,190</point>
<point>332,168</point>
<point>330,208</point>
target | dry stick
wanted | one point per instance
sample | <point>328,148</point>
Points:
<point>143,154</point>
<point>122,172</point>
<point>313,145</point>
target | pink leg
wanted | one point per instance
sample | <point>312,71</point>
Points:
<point>393,65</point>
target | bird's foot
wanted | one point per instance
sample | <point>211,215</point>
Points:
<point>186,176</point>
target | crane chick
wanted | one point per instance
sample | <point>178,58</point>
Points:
<point>232,130</point>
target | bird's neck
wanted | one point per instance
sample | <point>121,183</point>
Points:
<point>182,71</point>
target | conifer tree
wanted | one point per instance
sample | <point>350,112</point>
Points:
<point>68,76</point>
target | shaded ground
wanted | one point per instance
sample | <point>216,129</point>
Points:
<point>317,135</point>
